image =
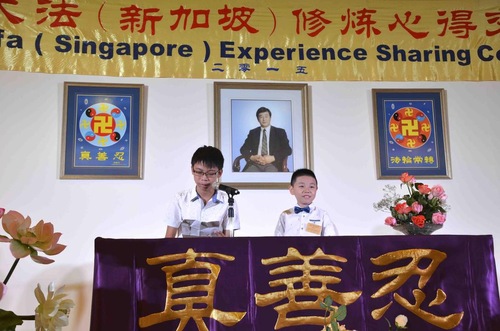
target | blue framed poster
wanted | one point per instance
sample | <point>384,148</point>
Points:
<point>411,133</point>
<point>102,131</point>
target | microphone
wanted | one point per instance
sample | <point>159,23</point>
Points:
<point>228,189</point>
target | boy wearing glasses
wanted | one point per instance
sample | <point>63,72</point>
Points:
<point>202,211</point>
<point>305,219</point>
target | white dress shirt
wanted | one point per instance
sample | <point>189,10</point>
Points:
<point>192,218</point>
<point>315,223</point>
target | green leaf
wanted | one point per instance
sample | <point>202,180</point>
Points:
<point>9,320</point>
<point>341,313</point>
<point>328,301</point>
<point>335,326</point>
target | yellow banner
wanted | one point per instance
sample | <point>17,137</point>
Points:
<point>369,40</point>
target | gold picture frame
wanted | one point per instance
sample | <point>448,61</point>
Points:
<point>236,106</point>
<point>411,133</point>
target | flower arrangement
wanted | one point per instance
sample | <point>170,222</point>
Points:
<point>399,322</point>
<point>421,206</point>
<point>335,314</point>
<point>53,311</point>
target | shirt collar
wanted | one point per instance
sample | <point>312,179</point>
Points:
<point>311,207</point>
<point>217,197</point>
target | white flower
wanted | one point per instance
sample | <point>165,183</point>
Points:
<point>401,321</point>
<point>52,312</point>
<point>389,199</point>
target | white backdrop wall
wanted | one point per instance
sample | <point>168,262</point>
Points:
<point>180,118</point>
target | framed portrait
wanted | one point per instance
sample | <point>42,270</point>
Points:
<point>102,135</point>
<point>255,158</point>
<point>411,133</point>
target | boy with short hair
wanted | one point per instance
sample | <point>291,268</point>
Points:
<point>202,210</point>
<point>305,219</point>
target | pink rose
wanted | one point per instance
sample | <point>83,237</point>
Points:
<point>416,207</point>
<point>438,218</point>
<point>437,191</point>
<point>390,221</point>
<point>443,198</point>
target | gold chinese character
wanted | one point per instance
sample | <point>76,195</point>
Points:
<point>85,155</point>
<point>102,156</point>
<point>303,277</point>
<point>119,156</point>
<point>401,274</point>
<point>184,286</point>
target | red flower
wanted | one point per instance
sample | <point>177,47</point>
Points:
<point>418,220</point>
<point>424,189</point>
<point>405,178</point>
<point>402,208</point>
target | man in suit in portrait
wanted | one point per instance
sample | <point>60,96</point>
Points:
<point>266,146</point>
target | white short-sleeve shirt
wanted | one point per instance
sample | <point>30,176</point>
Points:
<point>315,223</point>
<point>192,218</point>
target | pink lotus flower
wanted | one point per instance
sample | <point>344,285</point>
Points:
<point>3,290</point>
<point>52,312</point>
<point>29,241</point>
<point>438,218</point>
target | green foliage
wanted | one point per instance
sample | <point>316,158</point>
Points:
<point>335,313</point>
<point>9,320</point>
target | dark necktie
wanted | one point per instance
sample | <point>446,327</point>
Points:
<point>298,209</point>
<point>263,149</point>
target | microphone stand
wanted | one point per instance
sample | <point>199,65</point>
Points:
<point>230,215</point>
<point>231,192</point>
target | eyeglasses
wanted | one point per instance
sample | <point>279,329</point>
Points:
<point>209,174</point>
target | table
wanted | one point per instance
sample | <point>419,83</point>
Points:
<point>439,282</point>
